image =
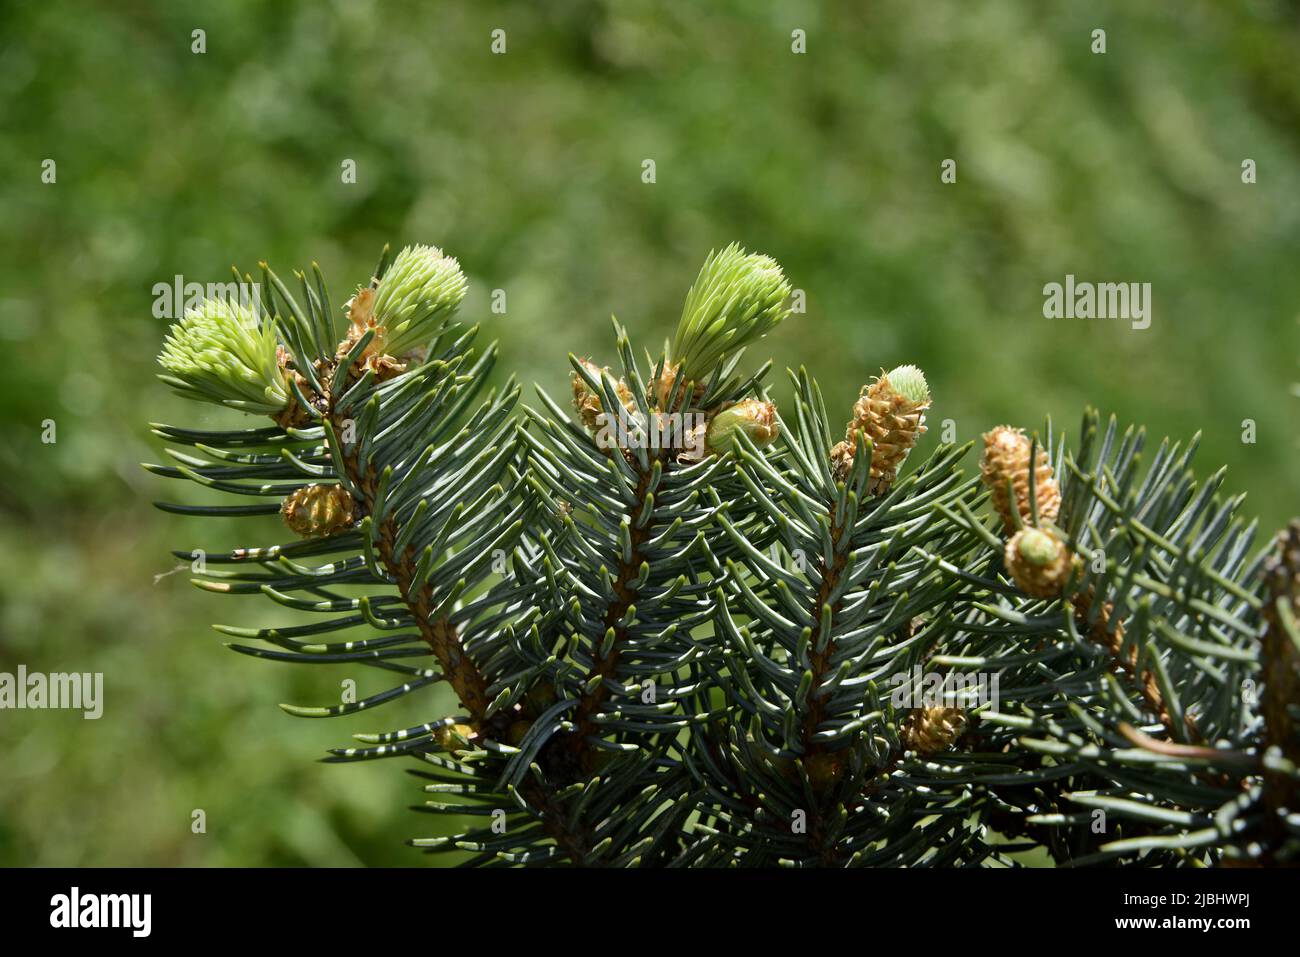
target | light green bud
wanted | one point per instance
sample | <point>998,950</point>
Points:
<point>909,382</point>
<point>220,352</point>
<point>737,299</point>
<point>418,293</point>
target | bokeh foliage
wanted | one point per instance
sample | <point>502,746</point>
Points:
<point>527,166</point>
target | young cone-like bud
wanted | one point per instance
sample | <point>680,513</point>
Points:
<point>318,511</point>
<point>891,413</point>
<point>754,417</point>
<point>1038,561</point>
<point>587,403</point>
<point>737,299</point>
<point>932,729</point>
<point>420,290</point>
<point>1006,458</point>
<point>220,352</point>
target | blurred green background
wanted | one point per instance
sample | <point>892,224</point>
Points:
<point>1117,167</point>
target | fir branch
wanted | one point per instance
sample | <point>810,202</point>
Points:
<point>682,654</point>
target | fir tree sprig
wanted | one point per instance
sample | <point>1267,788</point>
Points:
<point>687,629</point>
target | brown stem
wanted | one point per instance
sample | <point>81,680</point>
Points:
<point>605,666</point>
<point>821,661</point>
<point>576,844</point>
<point>440,635</point>
<point>464,676</point>
<point>572,753</point>
<point>624,595</point>
<point>1175,750</point>
<point>1110,635</point>
<point>821,665</point>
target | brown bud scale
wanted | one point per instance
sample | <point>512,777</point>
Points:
<point>1006,456</point>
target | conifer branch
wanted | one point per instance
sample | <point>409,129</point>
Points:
<point>719,649</point>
